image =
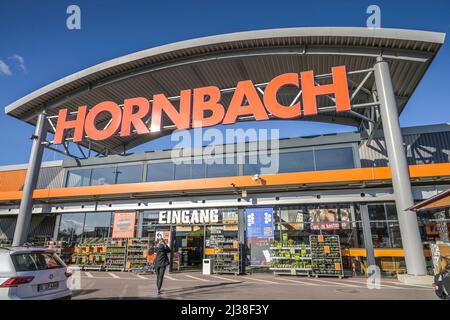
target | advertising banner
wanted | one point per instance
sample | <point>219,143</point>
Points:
<point>124,223</point>
<point>328,219</point>
<point>260,231</point>
<point>259,222</point>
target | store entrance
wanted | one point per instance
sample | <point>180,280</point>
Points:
<point>188,248</point>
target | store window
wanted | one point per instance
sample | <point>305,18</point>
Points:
<point>384,226</point>
<point>434,226</point>
<point>78,178</point>
<point>150,224</point>
<point>221,170</point>
<point>296,161</point>
<point>190,171</point>
<point>160,171</point>
<point>386,234</point>
<point>253,164</point>
<point>299,222</point>
<point>103,176</point>
<point>334,159</point>
<point>71,227</point>
<point>97,225</point>
<point>129,174</point>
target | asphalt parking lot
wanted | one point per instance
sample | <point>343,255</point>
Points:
<point>193,285</point>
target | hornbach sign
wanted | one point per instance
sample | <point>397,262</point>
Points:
<point>201,107</point>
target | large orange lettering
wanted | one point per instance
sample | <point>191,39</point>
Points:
<point>212,104</point>
<point>180,119</point>
<point>245,89</point>
<point>339,88</point>
<point>77,125</point>
<point>270,96</point>
<point>134,119</point>
<point>113,126</point>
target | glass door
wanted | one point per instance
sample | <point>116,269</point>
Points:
<point>188,248</point>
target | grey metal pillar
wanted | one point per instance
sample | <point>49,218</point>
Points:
<point>412,244</point>
<point>140,224</point>
<point>56,229</point>
<point>367,234</point>
<point>34,165</point>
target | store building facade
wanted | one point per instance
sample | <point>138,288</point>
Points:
<point>342,184</point>
<point>339,208</point>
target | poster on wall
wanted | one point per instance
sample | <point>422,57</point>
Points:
<point>260,231</point>
<point>259,251</point>
<point>124,223</point>
<point>328,219</point>
<point>163,234</point>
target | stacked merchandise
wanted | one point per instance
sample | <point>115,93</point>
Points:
<point>292,258</point>
<point>137,251</point>
<point>90,255</point>
<point>224,249</point>
<point>326,255</point>
<point>226,258</point>
<point>116,254</point>
<point>61,248</point>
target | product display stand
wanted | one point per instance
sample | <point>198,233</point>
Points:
<point>226,258</point>
<point>89,255</point>
<point>326,255</point>
<point>137,251</point>
<point>116,254</point>
<point>290,259</point>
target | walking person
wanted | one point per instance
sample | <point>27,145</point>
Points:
<point>442,280</point>
<point>161,262</point>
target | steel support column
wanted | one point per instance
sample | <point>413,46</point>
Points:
<point>412,244</point>
<point>367,234</point>
<point>34,166</point>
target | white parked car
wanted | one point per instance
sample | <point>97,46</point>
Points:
<point>28,273</point>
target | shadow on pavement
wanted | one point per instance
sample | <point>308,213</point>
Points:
<point>166,294</point>
<point>81,292</point>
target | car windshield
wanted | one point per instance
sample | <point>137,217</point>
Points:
<point>34,261</point>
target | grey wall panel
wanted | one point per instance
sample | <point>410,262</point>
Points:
<point>42,226</point>
<point>51,177</point>
<point>7,226</point>
<point>423,148</point>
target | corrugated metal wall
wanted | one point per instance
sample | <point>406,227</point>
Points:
<point>7,226</point>
<point>422,148</point>
<point>51,177</point>
<point>42,225</point>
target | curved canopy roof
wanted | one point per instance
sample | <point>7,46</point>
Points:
<point>224,60</point>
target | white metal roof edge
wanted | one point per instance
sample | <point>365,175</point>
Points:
<point>400,34</point>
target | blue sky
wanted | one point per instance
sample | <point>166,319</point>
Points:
<point>37,48</point>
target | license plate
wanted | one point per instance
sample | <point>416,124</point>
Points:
<point>48,286</point>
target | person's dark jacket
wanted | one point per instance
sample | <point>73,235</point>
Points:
<point>442,283</point>
<point>162,259</point>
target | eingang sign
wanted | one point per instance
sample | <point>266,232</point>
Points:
<point>201,216</point>
<point>194,103</point>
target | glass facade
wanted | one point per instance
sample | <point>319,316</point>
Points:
<point>105,175</point>
<point>295,161</point>
<point>296,222</point>
<point>434,226</point>
<point>384,226</point>
<point>299,161</point>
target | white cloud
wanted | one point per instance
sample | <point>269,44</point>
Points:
<point>5,69</point>
<point>20,61</point>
